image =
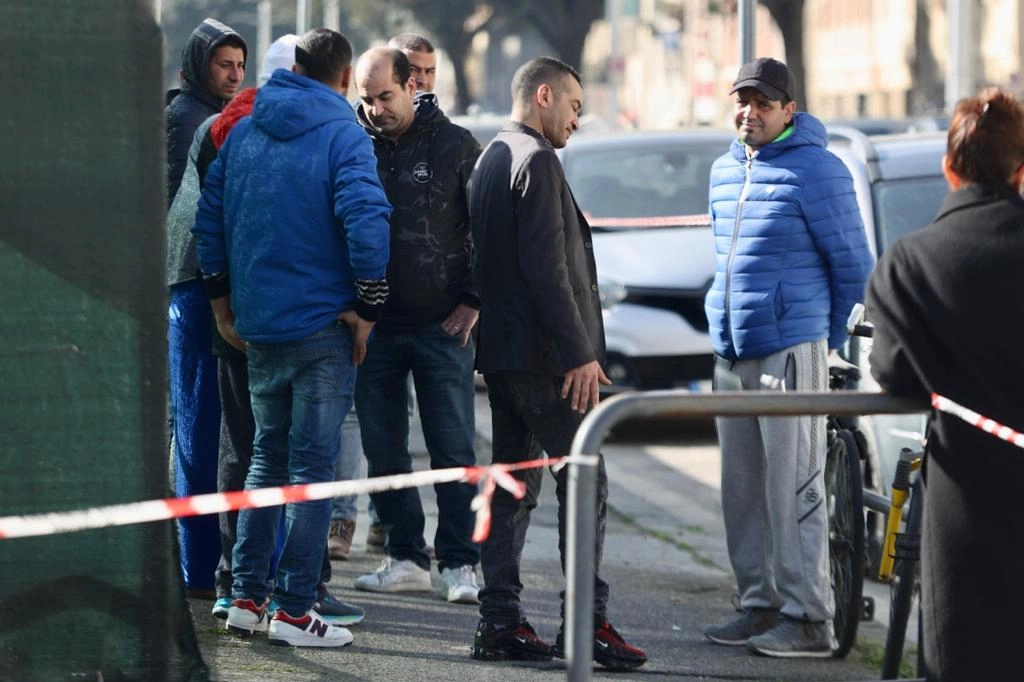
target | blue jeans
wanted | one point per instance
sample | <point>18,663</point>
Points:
<point>301,391</point>
<point>347,467</point>
<point>443,375</point>
<point>530,417</point>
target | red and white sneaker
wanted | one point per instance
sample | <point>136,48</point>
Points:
<point>245,617</point>
<point>309,630</point>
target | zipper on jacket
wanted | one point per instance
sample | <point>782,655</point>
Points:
<point>732,251</point>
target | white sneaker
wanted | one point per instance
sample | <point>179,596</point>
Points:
<point>245,618</point>
<point>310,630</point>
<point>396,576</point>
<point>459,585</point>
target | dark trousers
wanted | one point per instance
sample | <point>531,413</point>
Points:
<point>442,371</point>
<point>530,417</point>
<point>237,431</point>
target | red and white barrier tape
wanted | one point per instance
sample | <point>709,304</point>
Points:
<point>176,507</point>
<point>987,425</point>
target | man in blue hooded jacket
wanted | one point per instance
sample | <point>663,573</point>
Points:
<point>292,235</point>
<point>792,261</point>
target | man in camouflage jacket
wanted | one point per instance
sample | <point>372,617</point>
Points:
<point>424,162</point>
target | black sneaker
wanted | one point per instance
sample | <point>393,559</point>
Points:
<point>512,643</point>
<point>610,650</point>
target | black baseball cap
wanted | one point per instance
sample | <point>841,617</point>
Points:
<point>769,76</point>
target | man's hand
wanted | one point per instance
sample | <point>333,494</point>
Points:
<point>227,330</point>
<point>225,319</point>
<point>360,334</point>
<point>461,321</point>
<point>582,382</point>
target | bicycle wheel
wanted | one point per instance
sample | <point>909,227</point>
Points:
<point>845,537</point>
<point>905,585</point>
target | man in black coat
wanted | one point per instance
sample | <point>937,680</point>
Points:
<point>540,345</point>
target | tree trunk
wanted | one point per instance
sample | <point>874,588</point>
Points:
<point>789,15</point>
<point>457,51</point>
<point>927,89</point>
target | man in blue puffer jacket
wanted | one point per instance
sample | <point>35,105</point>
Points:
<point>792,261</point>
<point>292,235</point>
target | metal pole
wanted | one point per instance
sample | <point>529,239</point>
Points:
<point>581,496</point>
<point>264,27</point>
<point>611,15</point>
<point>748,28</point>
<point>332,15</point>
<point>960,77</point>
<point>579,590</point>
<point>301,10</point>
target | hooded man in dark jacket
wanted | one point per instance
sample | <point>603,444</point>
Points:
<point>424,162</point>
<point>212,70</point>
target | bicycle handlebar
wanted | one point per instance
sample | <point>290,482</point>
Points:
<point>855,324</point>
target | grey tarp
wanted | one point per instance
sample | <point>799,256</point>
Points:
<point>83,344</point>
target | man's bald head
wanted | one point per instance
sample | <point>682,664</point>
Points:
<point>389,58</point>
<point>386,90</point>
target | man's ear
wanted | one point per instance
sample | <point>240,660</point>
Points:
<point>543,96</point>
<point>345,80</point>
<point>410,85</point>
<point>790,110</point>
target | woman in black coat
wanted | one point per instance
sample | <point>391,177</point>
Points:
<point>948,307</point>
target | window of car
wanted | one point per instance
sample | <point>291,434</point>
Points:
<point>642,183</point>
<point>904,205</point>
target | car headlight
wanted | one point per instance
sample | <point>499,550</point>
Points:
<point>611,292</point>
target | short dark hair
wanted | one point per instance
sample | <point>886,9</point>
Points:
<point>323,54</point>
<point>401,68</point>
<point>413,42</point>
<point>235,40</point>
<point>538,71</point>
<point>985,143</point>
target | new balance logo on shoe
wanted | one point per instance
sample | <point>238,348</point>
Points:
<point>309,630</point>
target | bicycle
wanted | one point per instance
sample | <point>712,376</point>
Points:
<point>900,563</point>
<point>844,499</point>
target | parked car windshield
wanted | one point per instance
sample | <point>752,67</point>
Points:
<point>902,206</point>
<point>643,182</point>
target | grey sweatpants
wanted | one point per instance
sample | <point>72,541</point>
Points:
<point>773,500</point>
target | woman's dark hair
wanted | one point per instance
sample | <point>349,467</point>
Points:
<point>985,145</point>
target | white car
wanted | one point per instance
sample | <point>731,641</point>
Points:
<point>899,186</point>
<point>645,196</point>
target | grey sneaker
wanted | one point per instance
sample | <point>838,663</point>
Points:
<point>395,575</point>
<point>458,585</point>
<point>737,632</point>
<point>794,639</point>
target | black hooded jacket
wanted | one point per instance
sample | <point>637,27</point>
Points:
<point>424,175</point>
<point>193,103</point>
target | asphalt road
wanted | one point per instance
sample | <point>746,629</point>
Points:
<point>665,559</point>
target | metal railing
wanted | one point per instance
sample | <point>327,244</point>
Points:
<point>582,493</point>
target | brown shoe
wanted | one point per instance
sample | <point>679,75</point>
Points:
<point>375,539</point>
<point>339,540</point>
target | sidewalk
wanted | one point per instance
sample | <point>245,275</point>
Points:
<point>665,559</point>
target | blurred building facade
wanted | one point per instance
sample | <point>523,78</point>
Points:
<point>668,63</point>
